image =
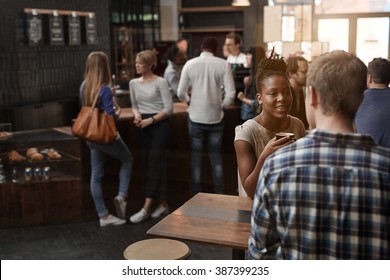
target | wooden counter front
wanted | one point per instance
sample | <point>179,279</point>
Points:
<point>179,161</point>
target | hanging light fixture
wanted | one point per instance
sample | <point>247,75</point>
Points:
<point>241,3</point>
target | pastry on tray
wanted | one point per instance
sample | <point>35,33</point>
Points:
<point>33,154</point>
<point>4,134</point>
<point>15,156</point>
<point>31,151</point>
<point>53,154</point>
<point>36,157</point>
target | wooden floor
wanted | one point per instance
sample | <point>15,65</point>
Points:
<point>86,241</point>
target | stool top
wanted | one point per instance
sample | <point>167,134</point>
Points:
<point>157,249</point>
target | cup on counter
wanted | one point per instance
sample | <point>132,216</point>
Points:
<point>285,134</point>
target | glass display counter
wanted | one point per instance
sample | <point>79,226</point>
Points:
<point>40,155</point>
<point>43,184</point>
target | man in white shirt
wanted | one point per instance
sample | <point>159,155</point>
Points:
<point>212,89</point>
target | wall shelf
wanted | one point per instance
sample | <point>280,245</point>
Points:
<point>211,30</point>
<point>59,12</point>
<point>124,53</point>
<point>202,20</point>
<point>210,9</point>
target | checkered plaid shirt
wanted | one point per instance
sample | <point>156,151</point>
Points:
<point>326,196</point>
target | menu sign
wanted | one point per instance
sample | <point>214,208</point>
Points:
<point>74,30</point>
<point>56,30</point>
<point>91,29</point>
<point>34,30</point>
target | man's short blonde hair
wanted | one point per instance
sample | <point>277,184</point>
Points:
<point>340,80</point>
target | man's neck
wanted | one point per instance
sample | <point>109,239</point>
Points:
<point>335,123</point>
<point>377,86</point>
<point>237,53</point>
<point>296,87</point>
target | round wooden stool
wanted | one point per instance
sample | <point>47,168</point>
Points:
<point>157,249</point>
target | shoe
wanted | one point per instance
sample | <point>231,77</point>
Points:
<point>111,221</point>
<point>140,216</point>
<point>161,210</point>
<point>120,206</point>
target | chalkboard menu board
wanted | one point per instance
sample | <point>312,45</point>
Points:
<point>56,30</point>
<point>74,30</point>
<point>80,27</point>
<point>91,30</point>
<point>34,30</point>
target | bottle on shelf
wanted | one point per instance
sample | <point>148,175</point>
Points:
<point>15,175</point>
<point>2,173</point>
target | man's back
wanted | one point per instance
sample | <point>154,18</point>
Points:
<point>329,194</point>
<point>373,116</point>
<point>209,77</point>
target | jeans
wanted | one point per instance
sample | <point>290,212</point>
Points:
<point>210,134</point>
<point>154,144</point>
<point>118,150</point>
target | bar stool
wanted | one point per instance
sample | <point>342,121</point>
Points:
<point>157,249</point>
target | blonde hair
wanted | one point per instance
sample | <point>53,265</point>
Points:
<point>149,58</point>
<point>97,73</point>
<point>340,79</point>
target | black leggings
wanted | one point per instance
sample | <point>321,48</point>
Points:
<point>155,140</point>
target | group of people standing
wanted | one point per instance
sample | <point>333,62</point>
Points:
<point>152,104</point>
<point>326,195</point>
<point>321,194</point>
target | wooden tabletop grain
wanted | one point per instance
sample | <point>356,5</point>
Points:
<point>209,218</point>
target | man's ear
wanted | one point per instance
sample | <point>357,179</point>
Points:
<point>312,94</point>
<point>369,79</point>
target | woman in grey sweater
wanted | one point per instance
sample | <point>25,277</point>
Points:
<point>152,105</point>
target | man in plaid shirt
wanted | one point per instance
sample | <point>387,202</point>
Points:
<point>326,196</point>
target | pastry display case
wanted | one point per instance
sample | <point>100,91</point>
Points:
<point>41,178</point>
<point>40,155</point>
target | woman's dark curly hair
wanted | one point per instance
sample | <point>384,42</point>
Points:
<point>273,65</point>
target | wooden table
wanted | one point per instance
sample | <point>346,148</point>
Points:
<point>210,218</point>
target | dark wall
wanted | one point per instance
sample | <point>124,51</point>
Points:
<point>35,76</point>
<point>250,20</point>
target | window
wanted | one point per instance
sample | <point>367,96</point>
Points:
<point>337,40</point>
<point>372,38</point>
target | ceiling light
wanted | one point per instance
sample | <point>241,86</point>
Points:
<point>241,3</point>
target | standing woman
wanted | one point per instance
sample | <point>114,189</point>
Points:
<point>255,139</point>
<point>152,105</point>
<point>96,81</point>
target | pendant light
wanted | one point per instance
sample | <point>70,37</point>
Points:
<point>241,3</point>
